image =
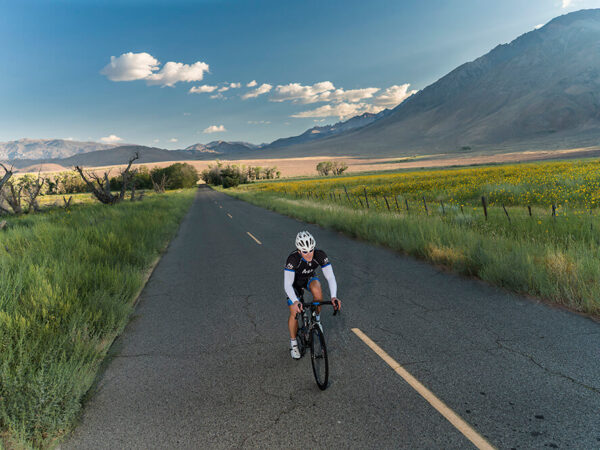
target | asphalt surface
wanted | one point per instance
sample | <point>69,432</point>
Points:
<point>204,362</point>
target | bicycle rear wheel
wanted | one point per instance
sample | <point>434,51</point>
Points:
<point>318,357</point>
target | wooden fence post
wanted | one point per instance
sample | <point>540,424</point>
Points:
<point>396,199</point>
<point>406,202</point>
<point>347,196</point>
<point>553,211</point>
<point>506,212</point>
<point>360,201</point>
<point>462,210</point>
<point>425,205</point>
<point>443,210</point>
<point>386,202</point>
<point>529,208</point>
<point>366,198</point>
<point>484,206</point>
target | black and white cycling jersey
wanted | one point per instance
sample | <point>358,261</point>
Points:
<point>299,273</point>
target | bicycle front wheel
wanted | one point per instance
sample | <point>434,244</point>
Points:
<point>318,357</point>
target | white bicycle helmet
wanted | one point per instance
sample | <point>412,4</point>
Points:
<point>305,242</point>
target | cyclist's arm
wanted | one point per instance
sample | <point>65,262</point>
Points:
<point>330,277</point>
<point>288,281</point>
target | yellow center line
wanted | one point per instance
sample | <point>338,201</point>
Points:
<point>257,241</point>
<point>441,407</point>
<point>230,216</point>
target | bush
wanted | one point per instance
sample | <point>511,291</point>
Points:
<point>234,175</point>
<point>335,167</point>
<point>179,175</point>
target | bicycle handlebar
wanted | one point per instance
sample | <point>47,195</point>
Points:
<point>335,311</point>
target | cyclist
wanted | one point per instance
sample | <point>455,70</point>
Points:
<point>299,274</point>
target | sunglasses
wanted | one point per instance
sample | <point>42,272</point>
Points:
<point>306,253</point>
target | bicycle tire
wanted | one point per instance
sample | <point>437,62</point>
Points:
<point>318,357</point>
<point>301,338</point>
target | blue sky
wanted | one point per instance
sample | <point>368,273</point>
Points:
<point>314,62</point>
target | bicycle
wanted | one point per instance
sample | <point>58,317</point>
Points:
<point>310,335</point>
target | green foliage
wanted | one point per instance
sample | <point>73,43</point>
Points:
<point>179,175</point>
<point>335,167</point>
<point>234,175</point>
<point>67,282</point>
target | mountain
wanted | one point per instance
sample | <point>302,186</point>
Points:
<point>317,133</point>
<point>47,148</point>
<point>223,147</point>
<point>114,156</point>
<point>541,91</point>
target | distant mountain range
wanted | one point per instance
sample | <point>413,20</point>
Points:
<point>69,153</point>
<point>47,148</point>
<point>539,92</point>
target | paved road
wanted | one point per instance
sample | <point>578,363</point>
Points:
<point>204,363</point>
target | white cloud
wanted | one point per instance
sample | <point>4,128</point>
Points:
<point>214,129</point>
<point>259,122</point>
<point>299,93</point>
<point>252,83</point>
<point>187,114</point>
<point>235,85</point>
<point>537,27</point>
<point>353,95</point>
<point>156,140</point>
<point>394,95</point>
<point>173,140</point>
<point>262,89</point>
<point>69,139</point>
<point>219,96</point>
<point>566,3</point>
<point>143,66</point>
<point>111,139</point>
<point>130,66</point>
<point>173,72</point>
<point>202,89</point>
<point>341,110</point>
<point>224,88</point>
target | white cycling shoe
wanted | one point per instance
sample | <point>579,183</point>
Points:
<point>295,352</point>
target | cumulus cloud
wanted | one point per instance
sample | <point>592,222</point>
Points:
<point>111,139</point>
<point>143,66</point>
<point>202,89</point>
<point>341,110</point>
<point>252,83</point>
<point>353,95</point>
<point>214,129</point>
<point>219,95</point>
<point>566,3</point>
<point>174,72</point>
<point>130,66</point>
<point>224,88</point>
<point>173,140</point>
<point>394,95</point>
<point>298,93</point>
<point>262,89</point>
<point>235,85</point>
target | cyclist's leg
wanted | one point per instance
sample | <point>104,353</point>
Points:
<point>292,322</point>
<point>314,285</point>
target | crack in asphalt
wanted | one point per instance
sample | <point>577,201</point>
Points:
<point>552,372</point>
<point>291,408</point>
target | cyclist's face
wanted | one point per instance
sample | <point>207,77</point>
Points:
<point>308,256</point>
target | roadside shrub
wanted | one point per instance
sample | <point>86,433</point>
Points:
<point>179,175</point>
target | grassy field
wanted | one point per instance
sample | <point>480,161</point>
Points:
<point>551,257</point>
<point>68,280</point>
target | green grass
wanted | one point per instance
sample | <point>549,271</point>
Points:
<point>68,280</point>
<point>552,258</point>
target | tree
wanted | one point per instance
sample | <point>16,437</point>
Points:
<point>338,167</point>
<point>324,167</point>
<point>179,175</point>
<point>101,189</point>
